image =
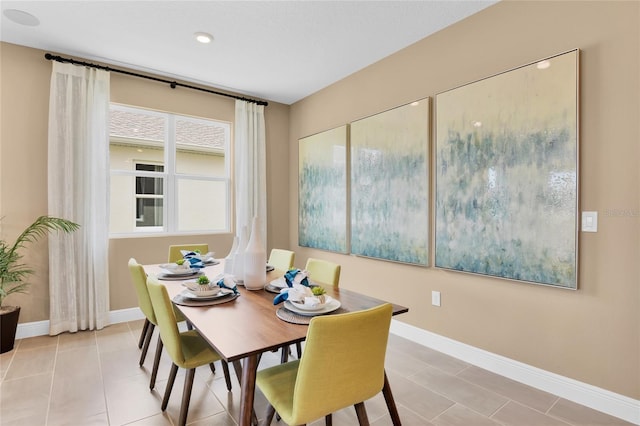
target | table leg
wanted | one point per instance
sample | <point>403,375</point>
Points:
<point>248,387</point>
<point>391,404</point>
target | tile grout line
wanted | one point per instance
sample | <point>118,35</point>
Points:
<point>13,356</point>
<point>498,409</point>
<point>546,413</point>
<point>556,417</point>
<point>412,411</point>
<point>53,375</point>
<point>447,409</point>
<point>104,390</point>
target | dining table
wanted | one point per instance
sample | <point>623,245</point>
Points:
<point>250,324</point>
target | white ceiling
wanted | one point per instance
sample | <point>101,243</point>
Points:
<point>276,50</point>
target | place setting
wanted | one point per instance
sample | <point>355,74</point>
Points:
<point>189,266</point>
<point>178,271</point>
<point>301,299</point>
<point>198,259</point>
<point>204,292</point>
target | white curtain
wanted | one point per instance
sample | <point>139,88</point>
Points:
<point>250,167</point>
<point>79,191</point>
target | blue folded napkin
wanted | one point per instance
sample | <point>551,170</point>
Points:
<point>194,259</point>
<point>298,284</point>
<point>228,282</point>
<point>296,276</point>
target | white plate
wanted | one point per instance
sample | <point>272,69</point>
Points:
<point>329,306</point>
<point>187,294</point>
<point>279,282</point>
<point>181,272</point>
<point>171,277</point>
<point>173,267</point>
<point>305,307</point>
<point>193,288</point>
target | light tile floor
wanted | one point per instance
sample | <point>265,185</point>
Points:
<point>93,378</point>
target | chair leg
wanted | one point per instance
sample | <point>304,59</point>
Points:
<point>284,355</point>
<point>299,349</point>
<point>227,376</point>
<point>328,420</point>
<point>186,396</point>
<point>167,391</point>
<point>156,364</point>
<point>391,404</point>
<point>361,412</point>
<point>143,333</point>
<point>147,340</point>
<point>238,369</point>
<point>269,416</point>
<point>212,367</point>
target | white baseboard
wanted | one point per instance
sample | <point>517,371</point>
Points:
<point>32,329</point>
<point>591,396</point>
<point>125,315</point>
<point>41,328</point>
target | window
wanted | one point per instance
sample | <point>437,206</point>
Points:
<point>169,173</point>
<point>149,197</point>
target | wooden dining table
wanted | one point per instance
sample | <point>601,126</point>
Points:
<point>242,329</point>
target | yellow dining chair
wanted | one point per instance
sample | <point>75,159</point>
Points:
<point>281,259</point>
<point>175,253</point>
<point>139,279</point>
<point>343,365</point>
<point>323,271</point>
<point>187,349</point>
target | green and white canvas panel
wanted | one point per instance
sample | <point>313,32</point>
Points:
<point>507,174</point>
<point>390,184</point>
<point>322,190</point>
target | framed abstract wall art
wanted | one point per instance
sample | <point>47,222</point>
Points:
<point>506,172</point>
<point>390,184</point>
<point>322,190</point>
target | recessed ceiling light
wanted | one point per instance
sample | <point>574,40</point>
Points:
<point>203,37</point>
<point>21,17</point>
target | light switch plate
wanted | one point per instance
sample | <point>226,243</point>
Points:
<point>589,221</point>
<point>435,298</point>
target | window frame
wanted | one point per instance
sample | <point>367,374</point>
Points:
<point>156,174</point>
<point>171,177</point>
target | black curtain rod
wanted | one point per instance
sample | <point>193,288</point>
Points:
<point>172,84</point>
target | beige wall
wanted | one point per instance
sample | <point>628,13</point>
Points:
<point>24,85</point>
<point>591,335</point>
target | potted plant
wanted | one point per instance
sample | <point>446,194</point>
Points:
<point>14,274</point>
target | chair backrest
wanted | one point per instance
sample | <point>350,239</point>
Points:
<point>281,259</point>
<point>175,254</point>
<point>323,271</point>
<point>139,279</point>
<point>343,362</point>
<point>166,319</point>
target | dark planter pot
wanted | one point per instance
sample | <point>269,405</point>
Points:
<point>8,327</point>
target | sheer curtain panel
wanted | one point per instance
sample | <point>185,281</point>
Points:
<point>250,167</point>
<point>78,190</point>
